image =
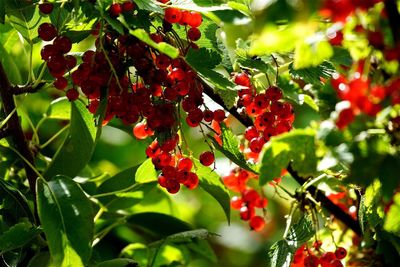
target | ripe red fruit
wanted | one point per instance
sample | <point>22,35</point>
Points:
<point>139,131</point>
<point>61,83</point>
<point>194,20</point>
<point>273,93</point>
<point>340,253</point>
<point>246,213</point>
<point>172,186</point>
<point>172,15</point>
<point>207,158</point>
<point>311,261</point>
<point>115,10</point>
<point>185,164</point>
<point>47,31</point>
<point>63,44</point>
<point>236,203</point>
<point>72,94</point>
<point>327,257</point>
<point>219,115</point>
<point>242,79</point>
<point>257,223</point>
<point>128,6</point>
<point>194,34</point>
<point>46,8</point>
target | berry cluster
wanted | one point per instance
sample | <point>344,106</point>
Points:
<point>307,257</point>
<point>339,10</point>
<point>362,96</point>
<point>151,97</point>
<point>58,63</point>
<point>116,8</point>
<point>272,116</point>
<point>249,200</point>
<point>185,18</point>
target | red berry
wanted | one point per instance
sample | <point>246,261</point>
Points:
<point>185,164</point>
<point>273,93</point>
<point>61,83</point>
<point>336,263</point>
<point>47,31</point>
<point>340,253</point>
<point>194,20</point>
<point>242,79</point>
<point>192,181</point>
<point>46,8</point>
<point>207,158</point>
<point>311,261</point>
<point>236,203</point>
<point>246,213</point>
<point>63,44</point>
<point>128,6</point>
<point>172,15</point>
<point>257,223</point>
<point>139,131</point>
<point>115,10</point>
<point>208,115</point>
<point>327,257</point>
<point>172,186</point>
<point>194,34</point>
<point>219,115</point>
<point>72,94</point>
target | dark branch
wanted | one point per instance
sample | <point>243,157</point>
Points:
<point>394,19</point>
<point>19,90</point>
<point>320,196</point>
<point>4,132</point>
<point>328,204</point>
<point>14,127</point>
<point>245,120</point>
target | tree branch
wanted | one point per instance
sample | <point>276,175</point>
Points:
<point>4,132</point>
<point>327,203</point>
<point>394,19</point>
<point>245,120</point>
<point>19,90</point>
<point>14,127</point>
<point>320,196</point>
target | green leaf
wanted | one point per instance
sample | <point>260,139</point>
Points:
<point>230,148</point>
<point>203,58</point>
<point>212,184</point>
<point>17,236</point>
<point>150,221</point>
<point>371,211</point>
<point>187,236</point>
<point>312,74</point>
<point>118,263</point>
<point>78,146</point>
<point>300,232</point>
<point>67,219</point>
<point>24,18</point>
<point>14,204</point>
<point>392,219</point>
<point>297,146</point>
<point>280,254</point>
<point>41,259</point>
<point>12,70</point>
<point>203,61</point>
<point>77,36</point>
<point>163,47</point>
<point>149,5</point>
<point>146,172</point>
<point>341,56</point>
<point>59,109</point>
<point>311,54</point>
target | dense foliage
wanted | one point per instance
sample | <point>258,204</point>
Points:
<point>123,120</point>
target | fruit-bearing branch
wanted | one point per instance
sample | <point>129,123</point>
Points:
<point>13,127</point>
<point>319,195</point>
